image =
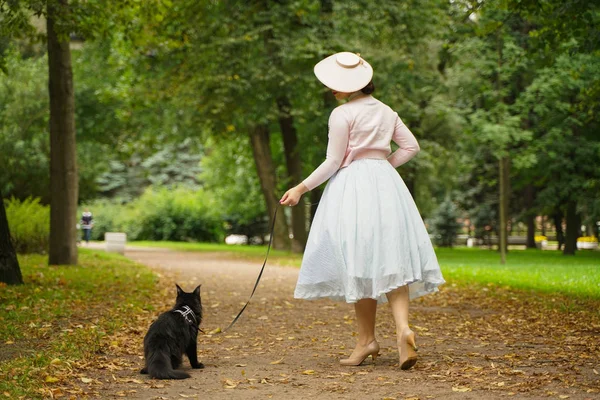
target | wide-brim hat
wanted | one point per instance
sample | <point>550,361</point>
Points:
<point>344,72</point>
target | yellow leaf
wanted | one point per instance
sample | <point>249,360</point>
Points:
<point>214,331</point>
<point>241,365</point>
<point>461,389</point>
<point>229,384</point>
<point>51,379</point>
<point>86,380</point>
<point>277,362</point>
<point>308,372</point>
<point>563,396</point>
<point>9,342</point>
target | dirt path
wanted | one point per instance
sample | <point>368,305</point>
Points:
<point>474,344</point>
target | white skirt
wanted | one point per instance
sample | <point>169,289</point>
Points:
<point>367,239</point>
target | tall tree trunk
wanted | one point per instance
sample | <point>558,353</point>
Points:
<point>560,236</point>
<point>530,216</point>
<point>503,162</point>
<point>573,226</point>
<point>259,138</point>
<point>294,168</point>
<point>64,188</point>
<point>10,272</point>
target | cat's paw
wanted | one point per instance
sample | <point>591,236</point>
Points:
<point>144,370</point>
<point>198,366</point>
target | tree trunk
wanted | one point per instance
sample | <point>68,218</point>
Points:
<point>503,204</point>
<point>530,216</point>
<point>294,168</point>
<point>573,226</point>
<point>560,237</point>
<point>259,138</point>
<point>10,272</point>
<point>64,188</point>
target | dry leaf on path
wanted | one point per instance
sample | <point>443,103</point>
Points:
<point>461,389</point>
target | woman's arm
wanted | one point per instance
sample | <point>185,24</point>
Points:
<point>339,130</point>
<point>408,145</point>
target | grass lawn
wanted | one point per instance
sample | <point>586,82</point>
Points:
<point>63,315</point>
<point>543,271</point>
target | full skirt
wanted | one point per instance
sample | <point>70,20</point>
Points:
<point>367,239</point>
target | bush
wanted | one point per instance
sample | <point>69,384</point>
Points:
<point>174,214</point>
<point>29,224</point>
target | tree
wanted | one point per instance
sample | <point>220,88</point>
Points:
<point>10,272</point>
<point>64,184</point>
<point>445,224</point>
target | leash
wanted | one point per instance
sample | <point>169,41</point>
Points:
<point>259,274</point>
<point>218,330</point>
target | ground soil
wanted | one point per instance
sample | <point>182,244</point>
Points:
<point>474,343</point>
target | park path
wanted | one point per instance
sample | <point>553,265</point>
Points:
<point>474,344</point>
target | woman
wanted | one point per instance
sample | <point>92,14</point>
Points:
<point>367,243</point>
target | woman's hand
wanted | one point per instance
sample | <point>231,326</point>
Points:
<point>292,196</point>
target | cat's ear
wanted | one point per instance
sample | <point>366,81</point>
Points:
<point>179,290</point>
<point>197,290</point>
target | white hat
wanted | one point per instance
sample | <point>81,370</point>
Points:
<point>344,72</point>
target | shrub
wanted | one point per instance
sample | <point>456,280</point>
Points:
<point>175,214</point>
<point>540,238</point>
<point>29,224</point>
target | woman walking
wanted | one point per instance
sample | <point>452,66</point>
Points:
<point>367,243</point>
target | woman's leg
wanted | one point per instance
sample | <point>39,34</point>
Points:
<point>366,311</point>
<point>399,300</point>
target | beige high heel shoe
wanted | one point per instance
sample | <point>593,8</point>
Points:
<point>408,348</point>
<point>372,349</point>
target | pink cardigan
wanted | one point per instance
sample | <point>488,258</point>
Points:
<point>363,128</point>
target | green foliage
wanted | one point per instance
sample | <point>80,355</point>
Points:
<point>445,225</point>
<point>178,214</point>
<point>24,118</point>
<point>29,224</point>
<point>230,176</point>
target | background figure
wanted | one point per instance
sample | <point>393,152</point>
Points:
<point>87,223</point>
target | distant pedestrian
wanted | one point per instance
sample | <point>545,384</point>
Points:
<point>87,223</point>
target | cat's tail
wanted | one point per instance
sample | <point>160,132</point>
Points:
<point>159,367</point>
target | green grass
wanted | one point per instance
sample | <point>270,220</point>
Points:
<point>251,253</point>
<point>541,271</point>
<point>61,315</point>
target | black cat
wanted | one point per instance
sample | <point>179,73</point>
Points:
<point>174,332</point>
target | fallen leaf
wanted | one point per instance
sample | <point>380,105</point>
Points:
<point>51,379</point>
<point>308,372</point>
<point>277,362</point>
<point>86,380</point>
<point>229,384</point>
<point>214,331</point>
<point>241,365</point>
<point>461,389</point>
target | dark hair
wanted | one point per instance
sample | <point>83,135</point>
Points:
<point>370,88</point>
